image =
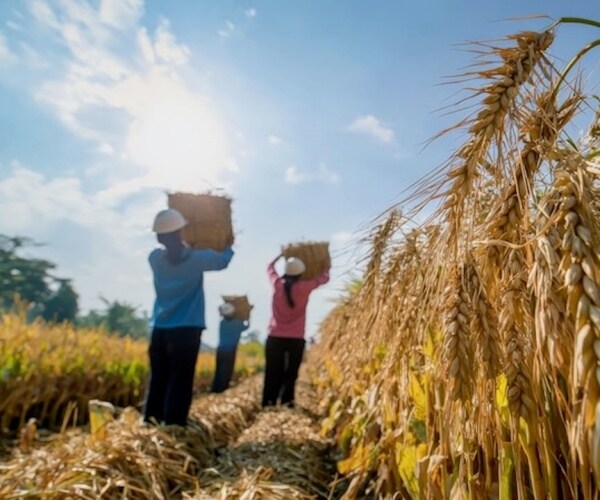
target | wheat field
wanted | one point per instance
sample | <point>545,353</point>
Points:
<point>50,372</point>
<point>466,364</point>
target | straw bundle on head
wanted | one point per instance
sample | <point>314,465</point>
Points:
<point>241,304</point>
<point>314,254</point>
<point>208,216</point>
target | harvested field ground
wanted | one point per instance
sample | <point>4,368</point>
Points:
<point>231,449</point>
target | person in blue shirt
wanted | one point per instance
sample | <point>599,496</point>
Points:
<point>230,331</point>
<point>177,318</point>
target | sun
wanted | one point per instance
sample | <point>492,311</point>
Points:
<point>180,142</point>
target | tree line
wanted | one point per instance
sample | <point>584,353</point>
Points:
<point>33,282</point>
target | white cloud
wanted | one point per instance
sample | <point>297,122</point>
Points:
<point>121,13</point>
<point>370,125</point>
<point>233,165</point>
<point>32,57</point>
<point>293,176</point>
<point>164,48</point>
<point>167,48</point>
<point>55,199</point>
<point>80,230</point>
<point>80,20</point>
<point>13,26</point>
<point>323,174</point>
<point>132,99</point>
<point>273,139</point>
<point>146,46</point>
<point>87,38</point>
<point>126,94</point>
<point>5,54</point>
<point>106,149</point>
<point>42,12</point>
<point>250,13</point>
<point>227,30</point>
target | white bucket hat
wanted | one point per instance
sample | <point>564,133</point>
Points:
<point>226,309</point>
<point>294,266</point>
<point>167,221</point>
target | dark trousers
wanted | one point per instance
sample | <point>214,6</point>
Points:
<point>283,358</point>
<point>223,370</point>
<point>173,353</point>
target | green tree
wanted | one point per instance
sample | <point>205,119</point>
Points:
<point>118,317</point>
<point>30,280</point>
<point>62,305</point>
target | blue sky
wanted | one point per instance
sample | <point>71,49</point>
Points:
<point>311,114</point>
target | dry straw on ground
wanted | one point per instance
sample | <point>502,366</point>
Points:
<point>230,449</point>
<point>208,216</point>
<point>129,459</point>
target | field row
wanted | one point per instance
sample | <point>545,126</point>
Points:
<point>52,371</point>
<point>231,449</point>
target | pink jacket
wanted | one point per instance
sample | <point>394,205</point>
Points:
<point>287,322</point>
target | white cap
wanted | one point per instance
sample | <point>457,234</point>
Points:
<point>294,266</point>
<point>168,221</point>
<point>226,309</point>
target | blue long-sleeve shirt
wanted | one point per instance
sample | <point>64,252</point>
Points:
<point>180,287</point>
<point>230,331</point>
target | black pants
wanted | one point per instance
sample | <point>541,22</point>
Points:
<point>283,358</point>
<point>223,370</point>
<point>173,353</point>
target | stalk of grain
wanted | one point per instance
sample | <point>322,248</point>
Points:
<point>508,219</point>
<point>580,267</point>
<point>519,64</point>
<point>554,333</point>
<point>484,327</point>
<point>516,348</point>
<point>457,350</point>
<point>508,250</point>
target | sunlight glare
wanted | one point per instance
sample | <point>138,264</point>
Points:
<point>180,142</point>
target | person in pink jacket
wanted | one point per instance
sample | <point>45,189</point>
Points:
<point>285,341</point>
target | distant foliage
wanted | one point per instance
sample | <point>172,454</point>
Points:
<point>120,318</point>
<point>30,280</point>
<point>50,371</point>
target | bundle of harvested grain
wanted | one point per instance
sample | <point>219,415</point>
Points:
<point>209,219</point>
<point>241,304</point>
<point>314,254</point>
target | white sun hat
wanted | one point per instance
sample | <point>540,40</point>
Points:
<point>294,266</point>
<point>226,309</point>
<point>167,221</point>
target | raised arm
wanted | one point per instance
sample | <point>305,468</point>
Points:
<point>273,276</point>
<point>210,260</point>
<point>319,280</point>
